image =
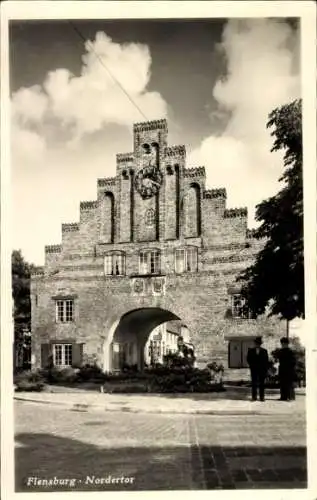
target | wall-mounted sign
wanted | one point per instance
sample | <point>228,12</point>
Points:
<point>158,286</point>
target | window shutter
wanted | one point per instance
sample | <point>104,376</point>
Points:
<point>235,353</point>
<point>246,344</point>
<point>45,355</point>
<point>77,355</point>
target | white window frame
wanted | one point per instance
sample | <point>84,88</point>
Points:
<point>237,304</point>
<point>111,260</point>
<point>63,355</point>
<point>64,310</point>
<point>150,261</point>
<point>190,258</point>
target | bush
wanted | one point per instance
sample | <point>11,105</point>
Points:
<point>124,376</point>
<point>180,380</point>
<point>161,379</point>
<point>26,386</point>
<point>216,371</point>
<point>174,359</point>
<point>28,375</point>
<point>272,380</point>
<point>28,381</point>
<point>57,376</point>
<point>89,373</point>
<point>128,389</point>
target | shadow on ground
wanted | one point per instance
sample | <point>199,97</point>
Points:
<point>45,456</point>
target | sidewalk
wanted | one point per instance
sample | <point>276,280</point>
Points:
<point>211,404</point>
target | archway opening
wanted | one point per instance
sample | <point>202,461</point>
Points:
<point>143,337</point>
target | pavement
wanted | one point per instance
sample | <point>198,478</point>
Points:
<point>62,450</point>
<point>232,402</point>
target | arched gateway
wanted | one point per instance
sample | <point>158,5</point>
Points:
<point>155,246</point>
<point>128,336</point>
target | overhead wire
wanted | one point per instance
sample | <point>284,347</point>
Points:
<point>117,82</point>
<point>79,33</point>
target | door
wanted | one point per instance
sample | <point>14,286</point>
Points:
<point>235,354</point>
<point>118,356</point>
<point>115,356</point>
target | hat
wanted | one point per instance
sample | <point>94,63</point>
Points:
<point>258,340</point>
<point>284,340</point>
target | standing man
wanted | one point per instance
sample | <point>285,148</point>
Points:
<point>286,370</point>
<point>258,361</point>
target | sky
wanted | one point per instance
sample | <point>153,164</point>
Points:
<point>215,81</point>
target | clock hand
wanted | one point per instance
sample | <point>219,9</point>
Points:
<point>154,182</point>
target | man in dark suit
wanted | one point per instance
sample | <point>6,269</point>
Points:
<point>258,361</point>
<point>286,370</point>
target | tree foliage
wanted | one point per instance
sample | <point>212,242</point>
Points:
<point>21,274</point>
<point>276,279</point>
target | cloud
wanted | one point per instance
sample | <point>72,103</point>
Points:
<point>58,135</point>
<point>29,105</point>
<point>261,74</point>
<point>27,146</point>
<point>86,103</point>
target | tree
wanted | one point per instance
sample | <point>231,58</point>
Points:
<point>21,273</point>
<point>276,279</point>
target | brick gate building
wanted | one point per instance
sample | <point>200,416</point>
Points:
<point>155,247</point>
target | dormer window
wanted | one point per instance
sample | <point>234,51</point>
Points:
<point>186,259</point>
<point>149,261</point>
<point>114,264</point>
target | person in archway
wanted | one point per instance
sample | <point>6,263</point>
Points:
<point>180,346</point>
<point>258,361</point>
<point>286,371</point>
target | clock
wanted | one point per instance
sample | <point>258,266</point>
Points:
<point>148,181</point>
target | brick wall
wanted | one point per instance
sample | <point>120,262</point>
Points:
<point>200,299</point>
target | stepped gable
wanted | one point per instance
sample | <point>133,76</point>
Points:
<point>151,125</point>
<point>125,157</point>
<point>70,227</point>
<point>107,181</point>
<point>195,172</point>
<point>88,205</point>
<point>53,248</point>
<point>231,213</point>
<point>215,193</point>
<point>171,151</point>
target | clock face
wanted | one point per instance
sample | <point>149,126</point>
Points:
<point>148,181</point>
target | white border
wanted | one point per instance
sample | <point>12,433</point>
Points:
<point>164,9</point>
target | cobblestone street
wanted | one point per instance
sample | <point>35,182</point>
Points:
<point>157,451</point>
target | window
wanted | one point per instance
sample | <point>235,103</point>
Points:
<point>63,354</point>
<point>65,311</point>
<point>239,307</point>
<point>149,262</point>
<point>150,217</point>
<point>186,259</point>
<point>238,351</point>
<point>115,264</point>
